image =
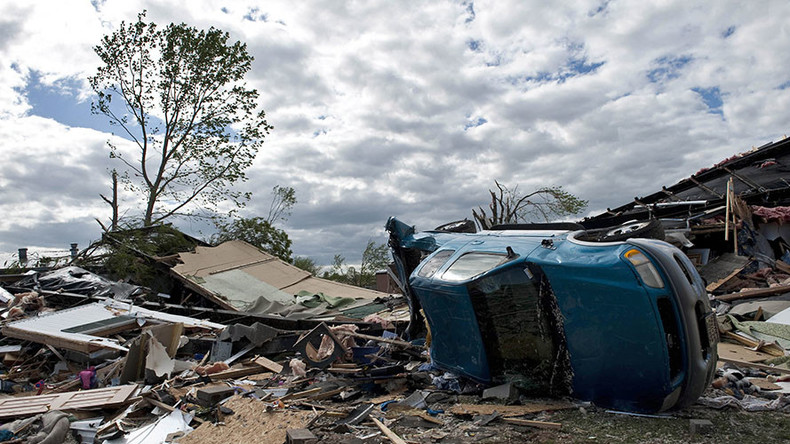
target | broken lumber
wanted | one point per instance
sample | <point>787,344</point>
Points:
<point>303,394</point>
<point>268,364</point>
<point>751,294</point>
<point>398,342</point>
<point>392,436</point>
<point>771,349</point>
<point>509,410</point>
<point>783,371</point>
<point>531,423</point>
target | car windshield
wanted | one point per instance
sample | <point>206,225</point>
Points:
<point>435,263</point>
<point>472,264</point>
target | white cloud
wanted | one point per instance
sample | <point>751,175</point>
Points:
<point>413,109</point>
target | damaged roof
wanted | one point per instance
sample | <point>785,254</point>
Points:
<point>760,177</point>
<point>79,328</point>
<point>239,276</point>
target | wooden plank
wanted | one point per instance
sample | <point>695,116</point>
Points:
<point>237,372</point>
<point>303,394</point>
<point>771,349</point>
<point>29,405</point>
<point>782,266</point>
<point>509,410</point>
<point>397,342</point>
<point>392,436</point>
<point>169,408</point>
<point>268,364</point>
<point>757,293</point>
<point>531,423</point>
<point>104,397</point>
<point>783,371</point>
<point>327,395</point>
<point>734,351</point>
<point>715,285</point>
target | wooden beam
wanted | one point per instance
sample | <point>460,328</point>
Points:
<point>752,294</point>
<point>754,365</point>
<point>397,342</point>
<point>392,436</point>
<point>531,423</point>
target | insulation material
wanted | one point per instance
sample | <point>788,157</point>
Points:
<point>167,425</point>
<point>157,360</point>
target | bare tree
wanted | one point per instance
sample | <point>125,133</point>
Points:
<point>509,207</point>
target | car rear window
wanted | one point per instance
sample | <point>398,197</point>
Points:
<point>435,263</point>
<point>472,264</point>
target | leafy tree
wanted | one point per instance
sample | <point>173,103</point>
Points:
<point>508,206</point>
<point>178,93</point>
<point>256,231</point>
<point>374,258</point>
<point>307,264</point>
<point>283,200</point>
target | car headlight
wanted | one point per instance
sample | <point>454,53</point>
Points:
<point>647,271</point>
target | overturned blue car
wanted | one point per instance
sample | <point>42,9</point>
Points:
<point>625,324</point>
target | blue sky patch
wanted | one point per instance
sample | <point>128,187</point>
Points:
<point>668,68</point>
<point>712,98</point>
<point>253,15</point>
<point>728,32</point>
<point>475,123</point>
<point>599,9</point>
<point>784,85</point>
<point>576,67</point>
<point>470,11</point>
<point>474,45</point>
<point>60,103</point>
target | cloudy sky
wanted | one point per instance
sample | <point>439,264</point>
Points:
<point>408,108</point>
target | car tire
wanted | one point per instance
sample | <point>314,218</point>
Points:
<point>651,229</point>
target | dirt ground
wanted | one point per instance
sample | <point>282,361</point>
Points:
<point>596,426</point>
<point>590,425</point>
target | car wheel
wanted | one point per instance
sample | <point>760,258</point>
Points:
<point>650,229</point>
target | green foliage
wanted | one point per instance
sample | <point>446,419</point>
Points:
<point>258,232</point>
<point>307,264</point>
<point>179,94</point>
<point>508,206</point>
<point>374,258</point>
<point>130,254</point>
<point>283,200</point>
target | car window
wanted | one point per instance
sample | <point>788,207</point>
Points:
<point>435,263</point>
<point>472,264</point>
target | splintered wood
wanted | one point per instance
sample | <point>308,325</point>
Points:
<point>509,410</point>
<point>250,422</point>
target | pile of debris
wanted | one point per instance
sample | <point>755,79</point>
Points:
<point>111,371</point>
<point>247,348</point>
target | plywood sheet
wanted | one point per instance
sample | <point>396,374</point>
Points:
<point>226,256</point>
<point>741,353</point>
<point>276,273</point>
<point>31,405</point>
